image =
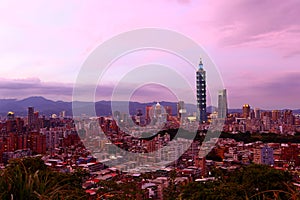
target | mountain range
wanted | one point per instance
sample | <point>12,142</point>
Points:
<point>103,108</point>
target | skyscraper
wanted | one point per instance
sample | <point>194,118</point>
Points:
<point>257,113</point>
<point>246,110</point>
<point>180,109</point>
<point>288,117</point>
<point>222,104</point>
<point>30,116</point>
<point>10,116</point>
<point>275,115</point>
<point>168,112</point>
<point>201,92</point>
<point>148,111</point>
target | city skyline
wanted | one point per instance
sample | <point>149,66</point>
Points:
<point>42,104</point>
<point>44,46</point>
<point>163,99</point>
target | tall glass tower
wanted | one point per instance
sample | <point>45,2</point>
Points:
<point>222,104</point>
<point>201,92</point>
<point>30,116</point>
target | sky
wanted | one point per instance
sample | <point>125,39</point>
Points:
<point>254,44</point>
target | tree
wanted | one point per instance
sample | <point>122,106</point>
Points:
<point>29,178</point>
<point>171,192</point>
<point>250,182</point>
<point>130,189</point>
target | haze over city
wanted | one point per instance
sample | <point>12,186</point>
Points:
<point>255,45</point>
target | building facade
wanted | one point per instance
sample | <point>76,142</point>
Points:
<point>246,110</point>
<point>222,104</point>
<point>201,92</point>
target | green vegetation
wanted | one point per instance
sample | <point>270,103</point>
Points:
<point>264,137</point>
<point>129,190</point>
<point>29,178</point>
<point>246,137</point>
<point>251,182</point>
<point>172,191</point>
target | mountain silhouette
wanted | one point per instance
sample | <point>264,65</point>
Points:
<point>103,108</point>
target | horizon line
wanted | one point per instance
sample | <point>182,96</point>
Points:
<point>17,99</point>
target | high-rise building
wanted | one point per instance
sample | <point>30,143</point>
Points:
<point>267,156</point>
<point>30,116</point>
<point>257,113</point>
<point>180,109</point>
<point>200,162</point>
<point>263,155</point>
<point>201,92</point>
<point>222,104</point>
<point>10,116</point>
<point>148,111</point>
<point>288,117</point>
<point>252,114</point>
<point>275,115</point>
<point>246,110</point>
<point>62,114</point>
<point>168,112</point>
<point>158,110</point>
<point>266,120</point>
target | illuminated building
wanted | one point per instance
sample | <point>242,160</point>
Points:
<point>246,110</point>
<point>201,92</point>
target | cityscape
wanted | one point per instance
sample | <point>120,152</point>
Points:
<point>100,145</point>
<point>140,100</point>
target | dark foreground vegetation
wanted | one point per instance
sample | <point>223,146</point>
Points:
<point>30,178</point>
<point>251,182</point>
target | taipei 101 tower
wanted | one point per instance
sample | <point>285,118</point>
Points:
<point>201,92</point>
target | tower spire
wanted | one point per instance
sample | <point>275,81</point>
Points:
<point>200,64</point>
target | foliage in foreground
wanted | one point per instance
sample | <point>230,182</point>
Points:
<point>251,182</point>
<point>29,178</point>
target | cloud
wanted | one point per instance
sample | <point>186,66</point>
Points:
<point>260,23</point>
<point>279,92</point>
<point>21,88</point>
<point>251,40</point>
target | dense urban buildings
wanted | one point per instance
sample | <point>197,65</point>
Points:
<point>144,149</point>
<point>66,144</point>
<point>105,146</point>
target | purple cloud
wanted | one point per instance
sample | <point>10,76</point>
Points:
<point>21,88</point>
<point>278,92</point>
<point>254,43</point>
<point>272,24</point>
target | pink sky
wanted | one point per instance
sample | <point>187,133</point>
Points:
<point>255,44</point>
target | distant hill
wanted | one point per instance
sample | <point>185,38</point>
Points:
<point>296,111</point>
<point>41,104</point>
<point>103,108</point>
<point>47,107</point>
<point>235,110</point>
